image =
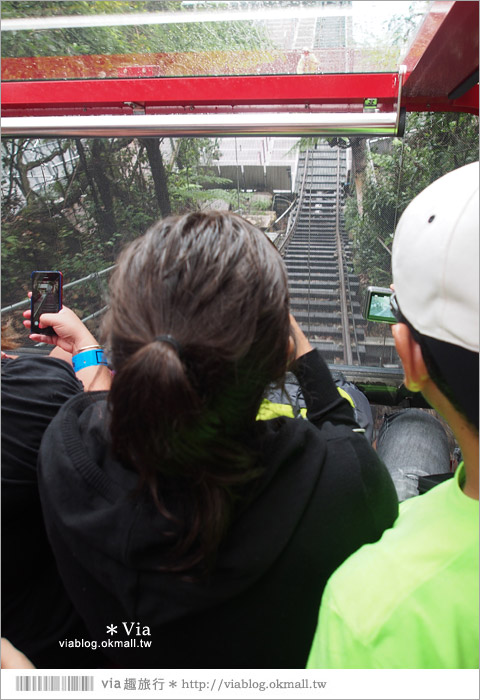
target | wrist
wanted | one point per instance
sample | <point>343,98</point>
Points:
<point>90,357</point>
<point>86,343</point>
<point>302,345</point>
<point>93,346</point>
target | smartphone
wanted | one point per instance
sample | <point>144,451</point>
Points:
<point>377,305</point>
<point>46,297</point>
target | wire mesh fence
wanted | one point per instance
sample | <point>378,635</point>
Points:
<point>72,204</point>
<point>386,175</point>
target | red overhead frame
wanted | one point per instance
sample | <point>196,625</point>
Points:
<point>222,93</point>
<point>441,65</point>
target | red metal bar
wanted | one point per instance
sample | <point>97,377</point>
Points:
<point>341,92</point>
<point>442,56</point>
<point>223,90</point>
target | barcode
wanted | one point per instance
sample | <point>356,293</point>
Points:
<point>54,683</point>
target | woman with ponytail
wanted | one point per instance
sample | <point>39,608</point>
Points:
<point>174,513</point>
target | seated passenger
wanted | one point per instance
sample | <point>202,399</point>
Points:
<point>411,599</point>
<point>36,611</point>
<point>177,519</point>
<point>412,444</point>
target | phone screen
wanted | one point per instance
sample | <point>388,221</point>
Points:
<point>46,297</point>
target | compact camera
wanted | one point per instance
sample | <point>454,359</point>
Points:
<point>377,305</point>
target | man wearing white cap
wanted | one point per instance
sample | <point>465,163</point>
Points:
<point>411,599</point>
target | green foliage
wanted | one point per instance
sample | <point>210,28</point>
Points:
<point>52,8</point>
<point>77,222</point>
<point>143,39</point>
<point>259,205</point>
<point>104,193</point>
<point>401,28</point>
<point>433,145</point>
<point>190,181</point>
<point>102,197</point>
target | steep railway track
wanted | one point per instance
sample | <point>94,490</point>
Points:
<point>323,291</point>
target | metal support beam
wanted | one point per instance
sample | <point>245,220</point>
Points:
<point>440,66</point>
<point>213,125</point>
<point>66,96</point>
<point>444,53</point>
<point>223,94</point>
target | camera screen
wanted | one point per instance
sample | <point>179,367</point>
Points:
<point>45,295</point>
<point>380,306</point>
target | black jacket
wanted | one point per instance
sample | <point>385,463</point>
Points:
<point>36,610</point>
<point>323,494</point>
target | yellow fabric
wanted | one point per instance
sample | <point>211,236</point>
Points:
<point>347,396</point>
<point>269,409</point>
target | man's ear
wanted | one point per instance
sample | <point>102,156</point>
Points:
<point>410,353</point>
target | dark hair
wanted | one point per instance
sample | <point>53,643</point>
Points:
<point>8,336</point>
<point>182,416</point>
<point>460,387</point>
<point>453,369</point>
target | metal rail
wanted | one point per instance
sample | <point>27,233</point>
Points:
<point>93,276</point>
<point>354,325</point>
<point>293,219</point>
<point>347,346</point>
<point>204,124</point>
<point>321,293</point>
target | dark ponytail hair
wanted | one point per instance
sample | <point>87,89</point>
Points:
<point>183,408</point>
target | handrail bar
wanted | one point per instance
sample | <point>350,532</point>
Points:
<point>91,276</point>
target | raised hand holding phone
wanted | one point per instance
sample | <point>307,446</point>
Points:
<point>69,332</point>
<point>66,331</point>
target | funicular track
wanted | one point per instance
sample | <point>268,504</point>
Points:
<point>323,291</point>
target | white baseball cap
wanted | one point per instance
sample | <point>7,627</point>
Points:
<point>435,259</point>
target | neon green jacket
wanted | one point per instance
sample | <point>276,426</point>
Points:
<point>411,599</point>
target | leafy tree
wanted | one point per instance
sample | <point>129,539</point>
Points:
<point>106,191</point>
<point>433,145</point>
<point>146,39</point>
<point>76,222</point>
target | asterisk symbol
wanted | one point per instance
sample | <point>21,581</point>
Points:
<point>112,629</point>
<point>173,684</point>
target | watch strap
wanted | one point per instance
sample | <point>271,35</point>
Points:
<point>89,358</point>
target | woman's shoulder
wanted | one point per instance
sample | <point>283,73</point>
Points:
<point>86,407</point>
<point>295,441</point>
<point>335,457</point>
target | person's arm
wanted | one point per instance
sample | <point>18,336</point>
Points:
<point>319,390</point>
<point>72,337</point>
<point>12,658</point>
